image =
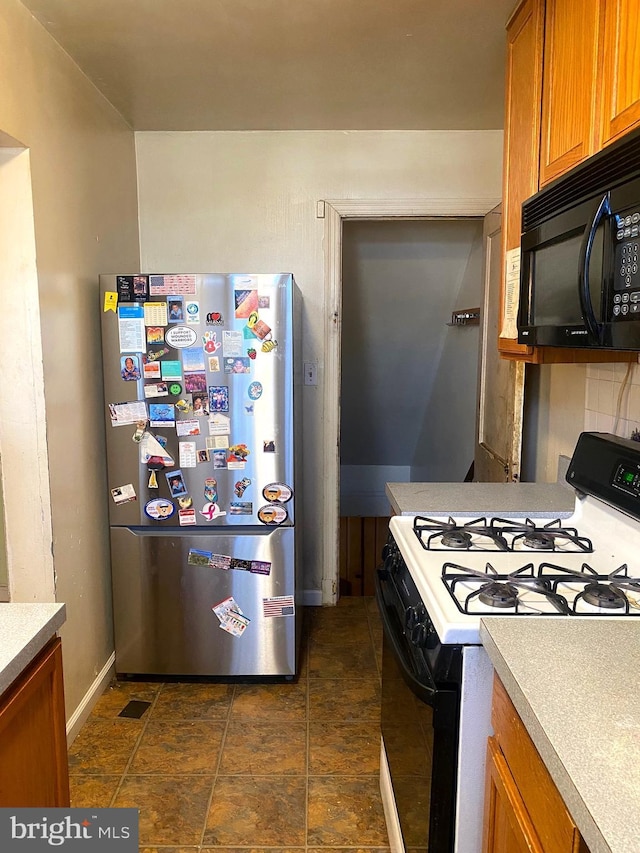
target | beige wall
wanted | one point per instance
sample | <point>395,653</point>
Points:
<point>83,182</point>
<point>246,202</point>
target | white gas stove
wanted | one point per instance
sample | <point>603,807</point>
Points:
<point>442,574</point>
<point>584,565</point>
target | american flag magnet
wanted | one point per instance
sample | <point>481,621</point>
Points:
<point>280,605</point>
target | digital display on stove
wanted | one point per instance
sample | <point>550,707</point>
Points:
<point>627,478</point>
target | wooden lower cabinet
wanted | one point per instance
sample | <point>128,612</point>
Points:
<point>508,827</point>
<point>33,741</point>
<point>523,808</point>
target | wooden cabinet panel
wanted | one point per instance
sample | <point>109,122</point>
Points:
<point>620,105</point>
<point>568,88</point>
<point>33,741</point>
<point>361,542</point>
<point>507,825</point>
<point>522,130</point>
<point>554,827</point>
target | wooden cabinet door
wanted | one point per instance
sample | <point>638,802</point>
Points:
<point>33,740</point>
<point>507,825</point>
<point>620,106</point>
<point>523,91</point>
<point>568,88</point>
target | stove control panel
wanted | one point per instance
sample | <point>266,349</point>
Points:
<point>627,477</point>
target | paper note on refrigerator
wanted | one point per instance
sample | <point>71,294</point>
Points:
<point>131,330</point>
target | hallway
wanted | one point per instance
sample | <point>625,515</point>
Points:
<point>217,766</point>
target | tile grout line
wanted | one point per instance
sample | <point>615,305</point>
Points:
<point>136,745</point>
<point>217,771</point>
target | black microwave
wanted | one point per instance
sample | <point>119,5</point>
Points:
<point>580,255</point>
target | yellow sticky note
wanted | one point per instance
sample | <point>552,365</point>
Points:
<point>110,301</point>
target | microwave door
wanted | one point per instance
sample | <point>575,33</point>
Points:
<point>551,310</point>
<point>594,328</point>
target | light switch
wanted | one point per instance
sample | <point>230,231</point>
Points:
<point>310,373</point>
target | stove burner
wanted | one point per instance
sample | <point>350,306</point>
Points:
<point>456,539</point>
<point>496,594</point>
<point>605,596</point>
<point>538,541</point>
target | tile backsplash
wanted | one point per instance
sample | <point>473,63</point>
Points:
<point>609,396</point>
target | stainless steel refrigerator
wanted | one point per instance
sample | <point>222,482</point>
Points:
<point>201,376</point>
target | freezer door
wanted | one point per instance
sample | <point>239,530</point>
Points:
<point>162,601</point>
<point>249,414</point>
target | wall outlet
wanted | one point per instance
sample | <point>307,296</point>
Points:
<point>310,373</point>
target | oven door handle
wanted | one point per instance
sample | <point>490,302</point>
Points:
<point>392,629</point>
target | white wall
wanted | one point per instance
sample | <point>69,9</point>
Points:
<point>247,202</point>
<point>562,400</point>
<point>613,399</point>
<point>84,220</point>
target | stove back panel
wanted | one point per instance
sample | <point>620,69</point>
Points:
<point>607,467</point>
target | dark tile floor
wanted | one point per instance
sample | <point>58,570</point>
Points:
<point>242,767</point>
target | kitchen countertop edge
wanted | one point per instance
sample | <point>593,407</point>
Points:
<point>534,500</point>
<point>25,629</point>
<point>572,799</point>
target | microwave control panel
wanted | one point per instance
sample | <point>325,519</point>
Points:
<point>626,282</point>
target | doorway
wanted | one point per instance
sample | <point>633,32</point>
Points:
<point>408,376</point>
<point>335,213</point>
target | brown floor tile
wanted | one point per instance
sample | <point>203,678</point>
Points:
<point>245,808</point>
<point>172,808</point>
<point>264,748</point>
<point>179,746</point>
<point>194,702</point>
<point>168,850</point>
<point>343,629</point>
<point>270,702</point>
<point>256,850</point>
<point>342,662</point>
<point>88,791</point>
<point>104,746</point>
<point>347,699</point>
<point>349,850</point>
<point>116,696</point>
<point>347,749</point>
<point>349,602</point>
<point>345,811</point>
<point>371,605</point>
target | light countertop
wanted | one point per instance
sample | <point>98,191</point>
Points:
<point>25,629</point>
<point>574,682</point>
<point>535,500</point>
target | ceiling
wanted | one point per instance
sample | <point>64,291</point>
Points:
<point>290,64</point>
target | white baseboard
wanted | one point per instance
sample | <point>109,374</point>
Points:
<point>79,716</point>
<point>389,805</point>
<point>312,597</point>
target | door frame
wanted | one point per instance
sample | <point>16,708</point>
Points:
<point>335,212</point>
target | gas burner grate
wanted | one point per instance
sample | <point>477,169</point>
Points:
<point>469,587</point>
<point>548,537</point>
<point>613,593</point>
<point>476,535</point>
<point>499,534</point>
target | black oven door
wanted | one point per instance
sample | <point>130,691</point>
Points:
<point>420,722</point>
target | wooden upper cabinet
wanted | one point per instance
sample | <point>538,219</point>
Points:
<point>620,46</point>
<point>568,88</point>
<point>521,129</point>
